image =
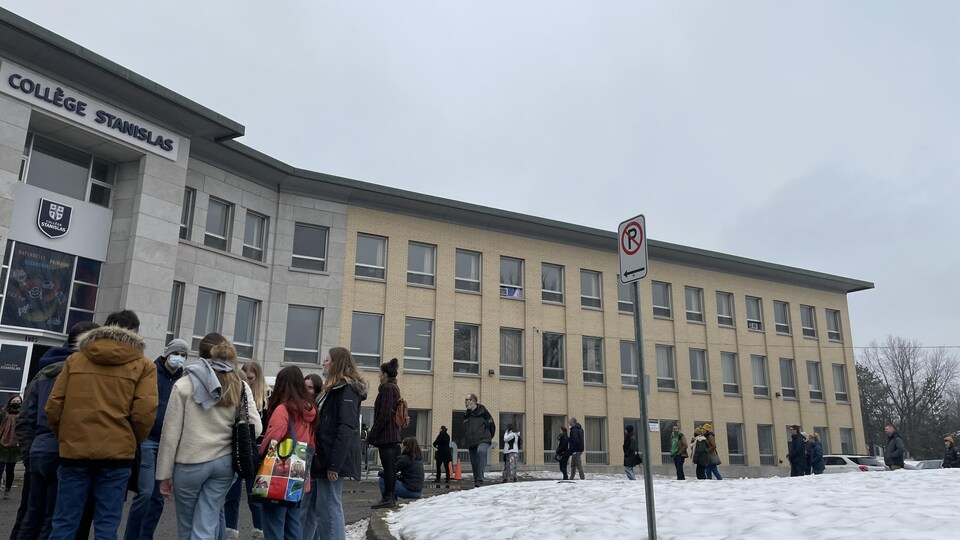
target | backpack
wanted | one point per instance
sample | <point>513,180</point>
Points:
<point>701,455</point>
<point>401,415</point>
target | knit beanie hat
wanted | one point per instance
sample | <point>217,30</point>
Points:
<point>176,345</point>
<point>949,439</point>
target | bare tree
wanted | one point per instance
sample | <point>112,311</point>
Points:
<point>916,381</point>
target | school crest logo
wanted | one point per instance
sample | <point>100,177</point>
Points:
<point>53,219</point>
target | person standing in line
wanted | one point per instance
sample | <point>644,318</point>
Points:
<point>289,402</point>
<point>951,458</point>
<point>576,448</point>
<point>479,429</point>
<point>895,451</point>
<point>102,406</point>
<point>712,470</point>
<point>701,453</point>
<point>253,374</point>
<point>195,460</point>
<point>443,455</point>
<point>409,470</point>
<point>365,446</point>
<point>385,433</point>
<point>9,448</point>
<point>511,449</point>
<point>563,451</point>
<point>797,452</point>
<point>309,515</point>
<point>807,453</point>
<point>338,440</point>
<point>817,465</point>
<point>678,450</point>
<point>631,452</point>
<point>147,505</point>
<point>40,447</point>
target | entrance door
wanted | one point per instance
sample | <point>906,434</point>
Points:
<point>14,363</point>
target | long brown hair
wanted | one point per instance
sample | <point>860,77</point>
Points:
<point>290,390</point>
<point>342,368</point>
<point>259,386</point>
<point>215,346</point>
<point>411,447</point>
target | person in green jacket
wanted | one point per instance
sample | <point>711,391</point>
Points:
<point>678,450</point>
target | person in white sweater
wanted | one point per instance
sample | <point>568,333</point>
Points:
<point>194,463</point>
<point>511,448</point>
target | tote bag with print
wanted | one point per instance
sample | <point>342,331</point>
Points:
<point>284,472</point>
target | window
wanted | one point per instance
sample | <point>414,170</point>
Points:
<point>824,438</point>
<point>593,360</point>
<point>68,171</point>
<point>507,418</point>
<point>761,382</point>
<point>768,453</point>
<point>624,297</point>
<point>551,428</point>
<point>309,247</point>
<point>419,427</point>
<point>840,382</point>
<point>551,277</point>
<point>590,289</point>
<point>781,316</point>
<point>735,448</point>
<point>511,352</point>
<point>694,299</point>
<point>186,212</point>
<point>666,370</point>
<point>815,380</point>
<point>788,378</point>
<point>553,363</point>
<point>208,314</point>
<point>511,278</point>
<point>5,269</point>
<point>846,441</point>
<point>808,321</point>
<point>418,344</point>
<point>595,440</point>
<point>731,373</point>
<point>724,309</point>
<point>628,364</point>
<point>302,343</point>
<point>466,348</point>
<point>754,313</point>
<point>365,339</point>
<point>833,325</point>
<point>661,300</point>
<point>371,257</point>
<point>245,329</point>
<point>254,233</point>
<point>421,260</point>
<point>468,271</point>
<point>83,301</point>
<point>219,216</point>
<point>698,370</point>
<point>173,316</point>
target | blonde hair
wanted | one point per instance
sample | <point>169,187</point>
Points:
<point>342,368</point>
<point>230,383</point>
<point>259,386</point>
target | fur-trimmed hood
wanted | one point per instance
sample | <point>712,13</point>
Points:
<point>111,345</point>
<point>359,386</point>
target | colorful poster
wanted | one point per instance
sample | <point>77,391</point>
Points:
<point>38,288</point>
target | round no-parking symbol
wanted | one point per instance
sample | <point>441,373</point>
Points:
<point>632,249</point>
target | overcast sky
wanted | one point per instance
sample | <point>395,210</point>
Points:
<point>822,135</point>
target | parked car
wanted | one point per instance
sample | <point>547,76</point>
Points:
<point>923,464</point>
<point>841,463</point>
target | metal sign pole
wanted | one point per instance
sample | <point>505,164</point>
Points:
<point>644,420</point>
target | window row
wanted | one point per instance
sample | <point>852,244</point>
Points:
<point>304,323</point>
<point>699,375</point>
<point>694,311</point>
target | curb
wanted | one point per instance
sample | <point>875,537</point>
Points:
<point>377,528</point>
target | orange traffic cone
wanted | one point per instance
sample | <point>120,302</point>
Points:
<point>457,475</point>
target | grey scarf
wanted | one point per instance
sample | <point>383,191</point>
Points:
<point>206,386</point>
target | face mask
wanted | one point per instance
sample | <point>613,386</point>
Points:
<point>175,361</point>
<point>14,407</point>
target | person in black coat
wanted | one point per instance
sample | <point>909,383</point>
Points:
<point>631,452</point>
<point>895,451</point>
<point>797,455</point>
<point>385,433</point>
<point>563,450</point>
<point>951,459</point>
<point>409,468</point>
<point>443,455</point>
<point>576,447</point>
<point>338,436</point>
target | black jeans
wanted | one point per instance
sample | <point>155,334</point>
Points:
<point>563,465</point>
<point>388,458</point>
<point>678,463</point>
<point>8,468</point>
<point>701,472</point>
<point>446,469</point>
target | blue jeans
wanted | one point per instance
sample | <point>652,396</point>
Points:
<point>402,491</point>
<point>232,507</point>
<point>281,523</point>
<point>329,510</point>
<point>713,470</point>
<point>630,474</point>
<point>478,461</point>
<point>310,516</point>
<point>147,505</point>
<point>200,489</point>
<point>109,487</point>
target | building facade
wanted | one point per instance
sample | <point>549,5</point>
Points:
<point>116,193</point>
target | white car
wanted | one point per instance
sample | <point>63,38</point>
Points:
<point>841,463</point>
<point>923,464</point>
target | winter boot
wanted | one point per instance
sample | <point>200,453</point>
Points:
<point>389,500</point>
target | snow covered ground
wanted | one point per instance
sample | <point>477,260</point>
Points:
<point>900,504</point>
